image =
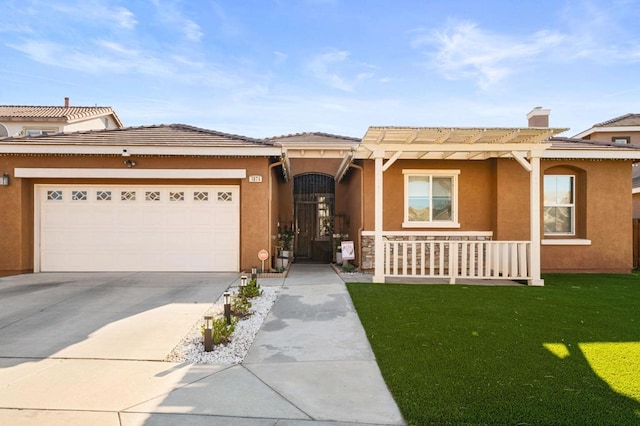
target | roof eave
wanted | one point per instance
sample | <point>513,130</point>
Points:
<point>132,150</point>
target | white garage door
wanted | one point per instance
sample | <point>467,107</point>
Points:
<point>138,228</point>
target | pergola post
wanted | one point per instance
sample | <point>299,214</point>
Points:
<point>534,180</point>
<point>378,276</point>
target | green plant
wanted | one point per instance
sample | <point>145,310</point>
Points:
<point>221,330</point>
<point>240,305</point>
<point>347,267</point>
<point>252,289</point>
<point>286,236</point>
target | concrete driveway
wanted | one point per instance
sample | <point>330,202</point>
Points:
<point>124,316</point>
<point>88,349</point>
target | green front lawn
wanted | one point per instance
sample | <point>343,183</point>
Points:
<point>566,353</point>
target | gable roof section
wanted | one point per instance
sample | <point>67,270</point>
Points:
<point>172,139</point>
<point>624,123</point>
<point>54,113</point>
<point>314,137</point>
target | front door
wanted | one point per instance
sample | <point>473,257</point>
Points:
<point>313,196</point>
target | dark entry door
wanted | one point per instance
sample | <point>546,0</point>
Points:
<point>314,205</point>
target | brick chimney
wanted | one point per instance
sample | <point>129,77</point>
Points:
<point>539,117</point>
<point>66,102</point>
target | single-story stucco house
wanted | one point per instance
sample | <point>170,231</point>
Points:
<point>499,203</point>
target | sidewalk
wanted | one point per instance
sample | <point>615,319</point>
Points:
<point>310,364</point>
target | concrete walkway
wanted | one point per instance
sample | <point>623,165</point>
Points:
<point>310,364</point>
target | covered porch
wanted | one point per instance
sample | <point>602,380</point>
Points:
<point>434,248</point>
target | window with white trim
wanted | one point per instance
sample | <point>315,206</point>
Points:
<point>430,198</point>
<point>559,205</point>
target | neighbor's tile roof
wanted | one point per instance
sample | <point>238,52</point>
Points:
<point>623,120</point>
<point>314,137</point>
<point>54,113</point>
<point>157,135</point>
<point>578,144</point>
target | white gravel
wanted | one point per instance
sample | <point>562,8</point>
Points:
<point>191,347</point>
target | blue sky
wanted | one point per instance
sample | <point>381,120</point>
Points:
<point>269,67</point>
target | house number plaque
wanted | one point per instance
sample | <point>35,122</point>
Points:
<point>255,179</point>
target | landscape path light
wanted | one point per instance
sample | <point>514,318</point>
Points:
<point>227,306</point>
<point>208,333</point>
<point>254,273</point>
<point>243,284</point>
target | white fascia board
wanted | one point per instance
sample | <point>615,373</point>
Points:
<point>239,151</point>
<point>603,154</point>
<point>126,173</point>
<point>607,129</point>
<point>635,190</point>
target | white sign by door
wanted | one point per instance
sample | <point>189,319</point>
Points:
<point>347,250</point>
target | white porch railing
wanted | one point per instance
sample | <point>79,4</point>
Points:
<point>509,260</point>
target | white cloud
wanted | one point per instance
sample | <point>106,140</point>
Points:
<point>169,12</point>
<point>96,11</point>
<point>464,51</point>
<point>336,69</point>
<point>280,57</point>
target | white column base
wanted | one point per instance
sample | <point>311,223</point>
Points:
<point>379,279</point>
<point>536,282</point>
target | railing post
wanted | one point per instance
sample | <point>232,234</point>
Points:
<point>453,261</point>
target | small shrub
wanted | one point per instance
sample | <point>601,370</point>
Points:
<point>221,330</point>
<point>240,305</point>
<point>252,289</point>
<point>347,267</point>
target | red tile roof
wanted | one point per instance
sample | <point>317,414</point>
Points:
<point>54,113</point>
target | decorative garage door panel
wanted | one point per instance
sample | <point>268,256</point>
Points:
<point>142,228</point>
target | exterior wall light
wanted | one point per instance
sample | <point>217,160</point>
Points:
<point>5,180</point>
<point>227,306</point>
<point>208,333</point>
<point>129,163</point>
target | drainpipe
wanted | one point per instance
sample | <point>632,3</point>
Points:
<point>271,166</point>
<point>355,166</point>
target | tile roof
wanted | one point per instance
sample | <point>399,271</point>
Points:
<point>314,137</point>
<point>156,135</point>
<point>54,113</point>
<point>578,144</point>
<point>623,120</point>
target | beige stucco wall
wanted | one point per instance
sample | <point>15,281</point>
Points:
<point>16,214</point>
<point>606,136</point>
<point>607,221</point>
<point>476,193</point>
<point>636,206</point>
<point>494,196</point>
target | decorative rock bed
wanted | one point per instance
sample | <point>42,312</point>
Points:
<point>191,348</point>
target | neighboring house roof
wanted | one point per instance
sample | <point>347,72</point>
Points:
<point>624,123</point>
<point>169,139</point>
<point>56,114</point>
<point>623,120</point>
<point>566,148</point>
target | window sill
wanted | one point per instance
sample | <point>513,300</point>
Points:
<point>566,242</point>
<point>430,225</point>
